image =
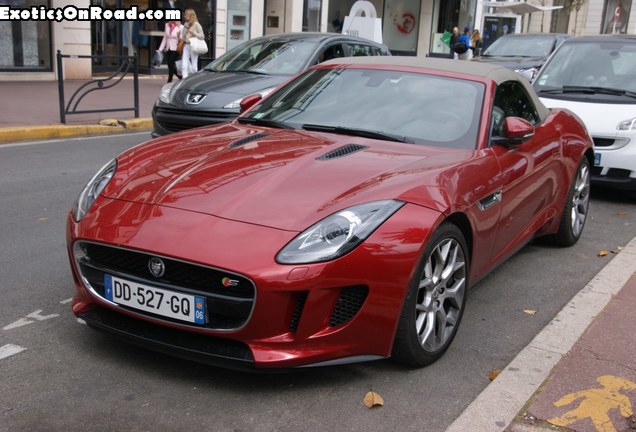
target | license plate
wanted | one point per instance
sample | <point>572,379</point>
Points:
<point>184,307</point>
<point>597,159</point>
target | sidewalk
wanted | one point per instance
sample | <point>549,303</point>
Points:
<point>31,109</point>
<point>578,374</point>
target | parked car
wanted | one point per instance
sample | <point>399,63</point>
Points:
<point>525,53</point>
<point>212,96</point>
<point>595,77</point>
<point>343,218</point>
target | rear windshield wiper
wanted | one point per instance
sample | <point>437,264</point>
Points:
<point>589,90</point>
<point>365,133</point>
<point>265,122</point>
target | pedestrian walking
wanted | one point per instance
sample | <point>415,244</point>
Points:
<point>172,33</point>
<point>191,29</point>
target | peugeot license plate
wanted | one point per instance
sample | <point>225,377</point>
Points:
<point>597,159</point>
<point>184,307</point>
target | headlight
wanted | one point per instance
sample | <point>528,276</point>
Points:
<point>338,233</point>
<point>92,190</point>
<point>164,94</point>
<point>529,73</point>
<point>629,124</point>
<point>237,103</point>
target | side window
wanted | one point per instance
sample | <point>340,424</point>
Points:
<point>331,52</point>
<point>357,50</point>
<point>511,100</point>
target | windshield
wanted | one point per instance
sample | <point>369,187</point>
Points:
<point>599,68</point>
<point>521,46</point>
<point>399,106</point>
<point>266,56</point>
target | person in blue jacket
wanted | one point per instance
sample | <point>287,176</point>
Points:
<point>465,37</point>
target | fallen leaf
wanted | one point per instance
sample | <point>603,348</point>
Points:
<point>602,253</point>
<point>43,219</point>
<point>372,400</point>
<point>530,311</point>
<point>494,374</point>
<point>622,213</point>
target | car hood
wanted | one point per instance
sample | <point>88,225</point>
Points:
<point>600,119</point>
<point>221,88</point>
<point>285,179</point>
<point>513,62</point>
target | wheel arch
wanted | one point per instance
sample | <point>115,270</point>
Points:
<point>461,221</point>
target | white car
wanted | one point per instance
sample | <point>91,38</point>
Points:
<point>595,77</point>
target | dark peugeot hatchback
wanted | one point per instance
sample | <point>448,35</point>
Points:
<point>213,94</point>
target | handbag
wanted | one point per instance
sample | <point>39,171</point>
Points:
<point>180,47</point>
<point>198,46</point>
<point>157,59</point>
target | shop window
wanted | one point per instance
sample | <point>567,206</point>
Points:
<point>25,45</point>
<point>311,15</point>
<point>616,16</point>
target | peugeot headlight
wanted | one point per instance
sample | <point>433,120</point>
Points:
<point>338,233</point>
<point>237,103</point>
<point>164,94</point>
<point>529,73</point>
<point>92,190</point>
<point>629,124</point>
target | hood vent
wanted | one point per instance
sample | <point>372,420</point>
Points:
<point>342,151</point>
<point>247,139</point>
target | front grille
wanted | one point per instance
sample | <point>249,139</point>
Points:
<point>348,304</point>
<point>229,297</point>
<point>176,120</point>
<point>603,142</point>
<point>613,173</point>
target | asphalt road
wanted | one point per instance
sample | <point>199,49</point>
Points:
<point>58,375</point>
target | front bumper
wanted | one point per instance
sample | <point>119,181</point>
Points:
<point>302,315</point>
<point>617,168</point>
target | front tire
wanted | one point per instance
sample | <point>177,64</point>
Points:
<point>576,207</point>
<point>435,300</point>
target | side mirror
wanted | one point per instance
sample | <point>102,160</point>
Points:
<point>515,131</point>
<point>249,101</point>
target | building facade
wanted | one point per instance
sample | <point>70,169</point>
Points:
<point>408,27</point>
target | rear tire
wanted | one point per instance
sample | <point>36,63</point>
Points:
<point>435,300</point>
<point>576,207</point>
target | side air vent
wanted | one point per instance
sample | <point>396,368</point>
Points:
<point>298,310</point>
<point>348,304</point>
<point>247,139</point>
<point>342,151</point>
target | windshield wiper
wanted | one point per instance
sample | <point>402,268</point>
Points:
<point>590,90</point>
<point>265,122</point>
<point>250,71</point>
<point>365,133</point>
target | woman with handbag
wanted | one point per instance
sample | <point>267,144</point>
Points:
<point>171,36</point>
<point>191,29</point>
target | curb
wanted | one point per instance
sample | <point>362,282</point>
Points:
<point>497,406</point>
<point>106,127</point>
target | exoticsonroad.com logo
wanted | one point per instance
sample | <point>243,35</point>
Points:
<point>91,13</point>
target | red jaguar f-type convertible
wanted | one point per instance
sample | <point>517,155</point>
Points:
<point>343,218</point>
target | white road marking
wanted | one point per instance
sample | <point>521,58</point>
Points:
<point>68,300</point>
<point>24,321</point>
<point>36,315</point>
<point>9,349</point>
<point>19,323</point>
